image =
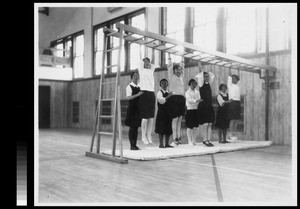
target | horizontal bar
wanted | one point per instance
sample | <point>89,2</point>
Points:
<point>193,47</point>
<point>109,99</point>
<point>108,50</point>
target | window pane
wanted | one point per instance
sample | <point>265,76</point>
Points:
<point>79,47</point>
<point>175,18</point>
<point>135,56</point>
<point>279,26</point>
<point>205,14</point>
<point>59,53</point>
<point>240,29</point>
<point>114,61</point>
<point>68,47</point>
<point>98,63</point>
<point>99,44</point>
<point>205,36</point>
<point>138,21</point>
<point>78,67</point>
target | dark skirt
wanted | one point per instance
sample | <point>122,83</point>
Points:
<point>176,106</point>
<point>222,120</point>
<point>206,113</point>
<point>146,104</point>
<point>133,117</point>
<point>191,119</point>
<point>163,123</point>
<point>234,110</point>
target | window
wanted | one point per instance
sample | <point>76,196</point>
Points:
<point>136,50</point>
<point>205,26</point>
<point>131,51</point>
<point>75,110</point>
<point>174,28</point>
<point>280,26</point>
<point>99,42</point>
<point>114,54</point>
<point>240,29</point>
<point>78,55</point>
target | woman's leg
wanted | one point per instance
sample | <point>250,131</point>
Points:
<point>178,128</point>
<point>144,130</point>
<point>149,130</point>
<point>208,131</point>
<point>189,135</point>
<point>204,131</point>
<point>174,126</point>
<point>224,134</point>
<point>220,131</point>
<point>131,136</point>
<point>161,138</point>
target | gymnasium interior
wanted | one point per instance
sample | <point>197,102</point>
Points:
<point>84,56</point>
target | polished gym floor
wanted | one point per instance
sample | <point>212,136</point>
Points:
<point>66,176</point>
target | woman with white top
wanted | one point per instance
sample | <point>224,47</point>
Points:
<point>192,97</point>
<point>176,107</point>
<point>133,118</point>
<point>222,121</point>
<point>234,107</point>
<point>147,99</point>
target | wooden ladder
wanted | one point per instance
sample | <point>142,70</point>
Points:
<point>116,113</point>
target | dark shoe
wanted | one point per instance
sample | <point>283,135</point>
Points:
<point>168,146</point>
<point>132,148</point>
<point>206,143</point>
<point>176,141</point>
<point>161,146</point>
<point>221,142</point>
<point>226,141</point>
<point>136,148</point>
<point>210,144</point>
<point>179,140</point>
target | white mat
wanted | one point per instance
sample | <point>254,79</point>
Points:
<point>184,150</point>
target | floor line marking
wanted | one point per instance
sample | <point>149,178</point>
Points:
<point>233,169</point>
<point>217,181</point>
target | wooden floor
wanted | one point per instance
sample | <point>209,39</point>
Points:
<point>67,176</point>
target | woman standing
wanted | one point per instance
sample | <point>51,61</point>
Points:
<point>133,118</point>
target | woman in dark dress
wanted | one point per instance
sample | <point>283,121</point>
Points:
<point>222,121</point>
<point>206,115</point>
<point>133,118</point>
<point>163,123</point>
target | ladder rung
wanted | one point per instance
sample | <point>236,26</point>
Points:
<point>109,99</point>
<point>105,133</point>
<point>106,116</point>
<point>110,82</point>
<point>110,66</point>
<point>112,49</point>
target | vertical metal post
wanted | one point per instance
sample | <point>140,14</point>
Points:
<point>267,78</point>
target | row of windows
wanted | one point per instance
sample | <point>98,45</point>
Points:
<point>234,30</point>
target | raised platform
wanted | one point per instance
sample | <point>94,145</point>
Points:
<point>154,153</point>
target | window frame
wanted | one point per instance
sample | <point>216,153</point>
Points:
<point>108,24</point>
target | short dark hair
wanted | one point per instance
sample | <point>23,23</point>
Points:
<point>132,74</point>
<point>221,85</point>
<point>175,67</point>
<point>191,81</point>
<point>236,76</point>
<point>162,81</point>
<point>146,58</point>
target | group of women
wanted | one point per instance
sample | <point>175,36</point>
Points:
<point>173,103</point>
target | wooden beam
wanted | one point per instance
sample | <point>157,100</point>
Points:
<point>106,157</point>
<point>194,47</point>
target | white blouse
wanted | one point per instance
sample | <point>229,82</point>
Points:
<point>160,98</point>
<point>146,77</point>
<point>233,90</point>
<point>129,89</point>
<point>191,97</point>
